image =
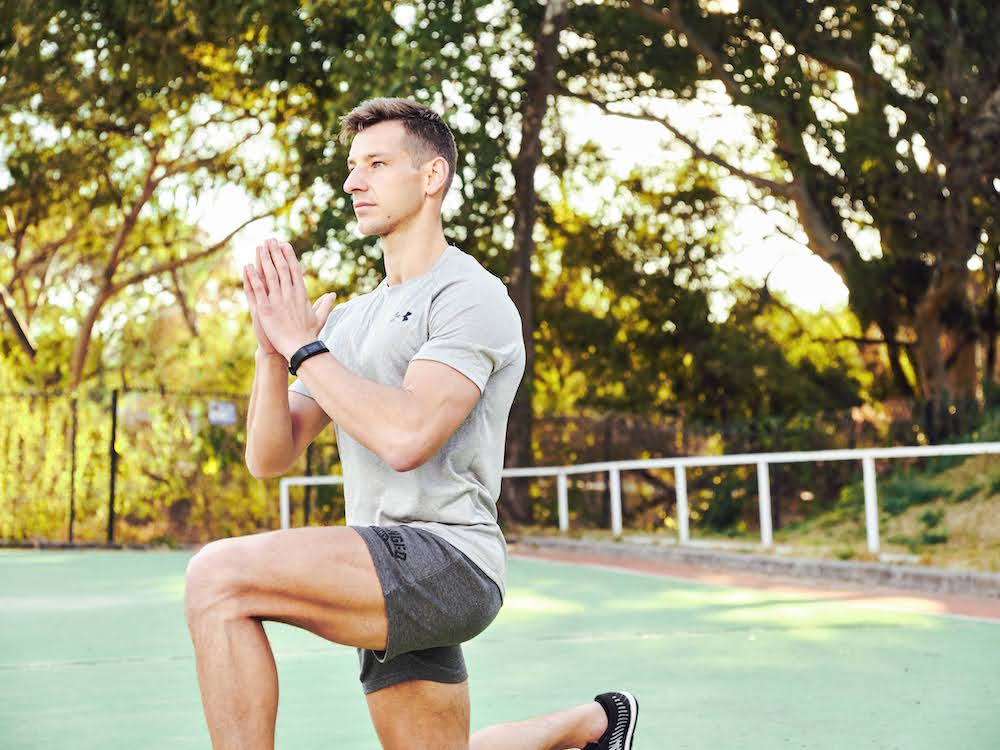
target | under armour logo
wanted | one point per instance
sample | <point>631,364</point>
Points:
<point>405,317</point>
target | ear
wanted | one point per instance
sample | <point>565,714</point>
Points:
<point>435,175</point>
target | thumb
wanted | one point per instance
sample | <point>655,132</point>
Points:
<point>324,305</point>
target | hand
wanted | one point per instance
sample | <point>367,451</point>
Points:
<point>284,320</point>
<point>264,346</point>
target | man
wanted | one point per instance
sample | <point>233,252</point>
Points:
<point>418,377</point>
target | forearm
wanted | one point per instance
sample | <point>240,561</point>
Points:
<point>382,418</point>
<point>270,444</point>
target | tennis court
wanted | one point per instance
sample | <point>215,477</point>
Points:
<point>94,653</point>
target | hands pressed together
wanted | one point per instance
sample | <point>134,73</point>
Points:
<point>283,318</point>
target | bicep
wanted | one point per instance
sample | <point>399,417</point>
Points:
<point>443,398</point>
<point>308,421</point>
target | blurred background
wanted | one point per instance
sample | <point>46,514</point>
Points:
<point>729,226</point>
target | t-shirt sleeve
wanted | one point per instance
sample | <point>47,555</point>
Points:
<point>297,385</point>
<point>473,330</point>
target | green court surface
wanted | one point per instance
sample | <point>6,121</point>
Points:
<point>94,653</point>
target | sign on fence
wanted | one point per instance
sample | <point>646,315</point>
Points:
<point>221,412</point>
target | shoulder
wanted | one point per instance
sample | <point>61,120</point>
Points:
<point>464,278</point>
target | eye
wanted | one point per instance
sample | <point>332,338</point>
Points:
<point>377,162</point>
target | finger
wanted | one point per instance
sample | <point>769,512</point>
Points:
<point>248,288</point>
<point>267,270</point>
<point>257,285</point>
<point>277,258</point>
<point>319,300</point>
<point>329,301</point>
<point>298,281</point>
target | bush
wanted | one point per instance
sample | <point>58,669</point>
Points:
<point>934,537</point>
<point>900,493</point>
<point>931,518</point>
<point>966,494</point>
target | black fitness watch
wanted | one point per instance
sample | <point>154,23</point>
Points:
<point>304,353</point>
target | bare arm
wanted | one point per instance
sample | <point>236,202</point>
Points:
<point>403,426</point>
<point>279,424</point>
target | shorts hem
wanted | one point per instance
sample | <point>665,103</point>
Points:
<point>386,681</point>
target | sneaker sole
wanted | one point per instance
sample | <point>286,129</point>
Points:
<point>633,717</point>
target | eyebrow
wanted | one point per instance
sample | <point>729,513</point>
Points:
<point>366,156</point>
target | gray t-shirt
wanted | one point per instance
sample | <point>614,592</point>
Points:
<point>460,314</point>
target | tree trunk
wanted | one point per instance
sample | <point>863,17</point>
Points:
<point>991,327</point>
<point>937,342</point>
<point>82,344</point>
<point>517,495</point>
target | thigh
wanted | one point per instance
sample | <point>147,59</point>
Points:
<point>321,579</point>
<point>421,714</point>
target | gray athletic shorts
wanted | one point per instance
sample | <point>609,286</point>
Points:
<point>435,598</point>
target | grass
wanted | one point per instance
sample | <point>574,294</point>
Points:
<point>949,521</point>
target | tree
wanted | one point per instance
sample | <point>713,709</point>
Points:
<point>118,117</point>
<point>882,121</point>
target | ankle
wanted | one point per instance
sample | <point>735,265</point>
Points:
<point>597,719</point>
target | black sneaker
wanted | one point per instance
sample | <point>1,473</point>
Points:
<point>622,710</point>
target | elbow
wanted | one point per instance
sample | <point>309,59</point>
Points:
<point>262,472</point>
<point>405,461</point>
<point>407,455</point>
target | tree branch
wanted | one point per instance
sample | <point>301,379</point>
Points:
<point>178,263</point>
<point>177,167</point>
<point>778,188</point>
<point>7,302</point>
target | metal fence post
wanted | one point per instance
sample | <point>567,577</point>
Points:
<point>283,504</point>
<point>616,501</point>
<point>563,502</point>
<point>764,496</point>
<point>871,503</point>
<point>74,423</point>
<point>307,500</point>
<point>114,467</point>
<point>681,485</point>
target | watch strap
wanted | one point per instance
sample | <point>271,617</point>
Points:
<point>305,352</point>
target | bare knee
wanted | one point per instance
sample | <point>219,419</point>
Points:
<point>212,579</point>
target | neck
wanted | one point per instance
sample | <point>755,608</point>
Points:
<point>412,250</point>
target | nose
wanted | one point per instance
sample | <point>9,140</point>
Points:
<point>353,183</point>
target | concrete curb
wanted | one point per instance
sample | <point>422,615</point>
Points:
<point>936,580</point>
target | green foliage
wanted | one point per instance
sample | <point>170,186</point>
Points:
<point>931,518</point>
<point>116,117</point>
<point>967,494</point>
<point>846,100</point>
<point>902,492</point>
<point>934,537</point>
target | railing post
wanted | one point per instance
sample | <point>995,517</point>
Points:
<point>563,502</point>
<point>764,496</point>
<point>871,503</point>
<point>283,504</point>
<point>113,473</point>
<point>681,486</point>
<point>616,501</point>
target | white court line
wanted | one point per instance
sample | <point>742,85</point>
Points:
<point>858,604</point>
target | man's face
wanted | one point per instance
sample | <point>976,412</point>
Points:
<point>382,176</point>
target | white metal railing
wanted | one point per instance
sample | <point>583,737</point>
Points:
<point>762,461</point>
